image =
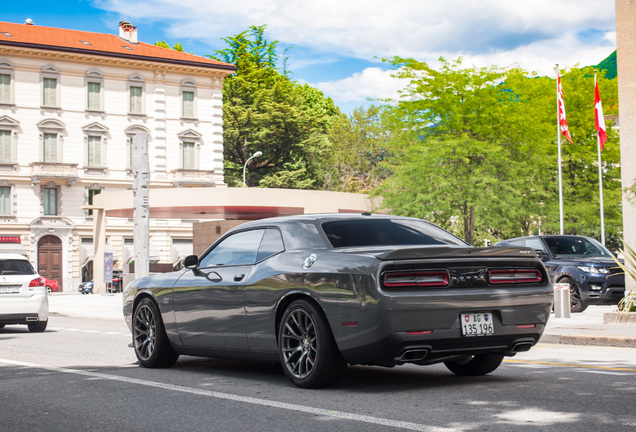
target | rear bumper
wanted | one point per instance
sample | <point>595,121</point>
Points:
<point>428,330</point>
<point>23,309</point>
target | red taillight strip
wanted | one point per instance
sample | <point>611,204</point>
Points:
<point>419,332</point>
<point>514,276</point>
<point>416,279</point>
<point>38,281</point>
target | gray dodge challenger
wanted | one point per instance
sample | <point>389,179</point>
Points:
<point>317,292</point>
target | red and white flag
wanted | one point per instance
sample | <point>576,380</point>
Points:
<point>563,123</point>
<point>600,119</point>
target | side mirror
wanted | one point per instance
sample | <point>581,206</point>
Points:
<point>191,261</point>
<point>543,256</point>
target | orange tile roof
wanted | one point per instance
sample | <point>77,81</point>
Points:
<point>57,39</point>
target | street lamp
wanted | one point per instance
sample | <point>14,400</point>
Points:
<point>255,155</point>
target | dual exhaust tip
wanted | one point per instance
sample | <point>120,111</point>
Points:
<point>419,354</point>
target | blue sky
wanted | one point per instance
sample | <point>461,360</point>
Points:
<point>337,45</point>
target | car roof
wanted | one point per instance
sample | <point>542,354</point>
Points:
<point>324,217</point>
<point>6,256</point>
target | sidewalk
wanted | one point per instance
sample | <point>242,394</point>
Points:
<point>585,328</point>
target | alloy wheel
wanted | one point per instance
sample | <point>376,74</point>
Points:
<point>299,343</point>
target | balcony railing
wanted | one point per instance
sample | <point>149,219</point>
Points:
<point>192,177</point>
<point>54,171</point>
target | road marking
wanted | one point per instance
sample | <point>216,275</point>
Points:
<point>244,399</point>
<point>569,365</point>
<point>600,372</point>
<point>87,331</point>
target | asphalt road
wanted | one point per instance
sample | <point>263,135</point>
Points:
<point>81,375</point>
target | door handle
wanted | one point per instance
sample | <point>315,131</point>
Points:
<point>238,277</point>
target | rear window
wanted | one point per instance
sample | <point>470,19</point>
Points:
<point>16,267</point>
<point>386,232</point>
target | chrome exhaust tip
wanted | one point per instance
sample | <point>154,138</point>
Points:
<point>412,355</point>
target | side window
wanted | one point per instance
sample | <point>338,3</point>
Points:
<point>271,244</point>
<point>535,244</point>
<point>238,249</point>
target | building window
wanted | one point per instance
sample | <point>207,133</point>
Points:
<point>188,99</point>
<point>190,144</point>
<point>91,195</point>
<point>188,155</point>
<point>94,96</point>
<point>50,92</point>
<point>136,106</point>
<point>49,147</point>
<point>5,88</point>
<point>5,200</point>
<point>188,104</point>
<point>49,200</point>
<point>94,151</point>
<point>5,146</point>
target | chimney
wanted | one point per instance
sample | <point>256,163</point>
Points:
<point>128,31</point>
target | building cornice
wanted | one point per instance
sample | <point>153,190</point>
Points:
<point>113,59</point>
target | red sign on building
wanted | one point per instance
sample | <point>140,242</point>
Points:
<point>9,239</point>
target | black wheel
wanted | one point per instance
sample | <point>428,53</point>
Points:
<point>576,303</point>
<point>480,364</point>
<point>152,348</point>
<point>308,352</point>
<point>37,326</point>
<point>1,326</point>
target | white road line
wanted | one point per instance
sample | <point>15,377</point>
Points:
<point>244,399</point>
<point>601,372</point>
<point>87,331</point>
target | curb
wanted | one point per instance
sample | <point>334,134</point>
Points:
<point>610,341</point>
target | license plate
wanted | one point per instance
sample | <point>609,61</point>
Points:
<point>9,289</point>
<point>477,324</point>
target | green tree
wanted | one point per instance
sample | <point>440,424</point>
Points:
<point>163,44</point>
<point>360,144</point>
<point>263,110</point>
<point>474,150</point>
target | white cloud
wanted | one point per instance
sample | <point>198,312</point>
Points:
<point>533,34</point>
<point>371,83</point>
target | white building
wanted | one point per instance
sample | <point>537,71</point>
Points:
<point>70,103</point>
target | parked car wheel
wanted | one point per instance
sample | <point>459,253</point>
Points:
<point>152,347</point>
<point>308,352</point>
<point>38,326</point>
<point>481,364</point>
<point>576,303</point>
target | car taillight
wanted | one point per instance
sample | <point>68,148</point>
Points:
<point>416,279</point>
<point>513,276</point>
<point>38,281</point>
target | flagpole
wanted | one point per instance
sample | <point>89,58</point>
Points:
<point>600,178</point>
<point>559,157</point>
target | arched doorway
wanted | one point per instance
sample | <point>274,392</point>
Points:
<point>50,258</point>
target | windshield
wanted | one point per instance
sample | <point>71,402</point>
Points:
<point>386,232</point>
<point>576,247</point>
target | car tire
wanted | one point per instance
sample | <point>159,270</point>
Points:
<point>151,344</point>
<point>480,364</point>
<point>576,303</point>
<point>37,326</point>
<point>306,347</point>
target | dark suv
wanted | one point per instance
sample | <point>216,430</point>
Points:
<point>583,262</point>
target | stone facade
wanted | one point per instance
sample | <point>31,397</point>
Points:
<point>67,119</point>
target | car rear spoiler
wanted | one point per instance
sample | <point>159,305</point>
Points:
<point>457,252</point>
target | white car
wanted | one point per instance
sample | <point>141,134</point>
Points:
<point>23,296</point>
